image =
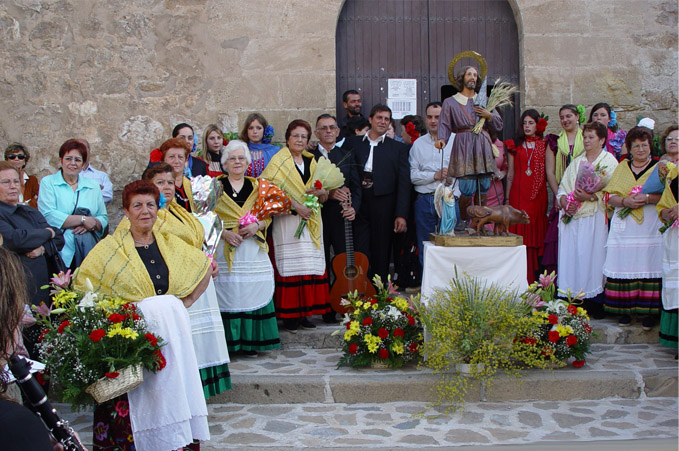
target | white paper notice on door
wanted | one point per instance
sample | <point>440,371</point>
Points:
<point>402,97</point>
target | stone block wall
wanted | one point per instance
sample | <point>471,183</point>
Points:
<point>121,73</point>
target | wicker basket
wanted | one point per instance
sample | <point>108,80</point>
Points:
<point>105,388</point>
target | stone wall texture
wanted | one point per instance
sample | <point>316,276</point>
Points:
<point>121,73</point>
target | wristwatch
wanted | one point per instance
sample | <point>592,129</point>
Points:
<point>82,220</point>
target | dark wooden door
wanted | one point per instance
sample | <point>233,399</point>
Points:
<point>381,39</point>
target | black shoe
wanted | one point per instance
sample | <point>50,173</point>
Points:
<point>330,318</point>
<point>250,354</point>
<point>648,323</point>
<point>306,324</point>
<point>624,321</point>
<point>291,325</point>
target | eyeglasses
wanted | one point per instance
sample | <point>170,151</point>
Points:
<point>327,128</point>
<point>234,159</point>
<point>16,156</point>
<point>76,159</point>
<point>9,182</point>
<point>669,138</point>
<point>296,136</point>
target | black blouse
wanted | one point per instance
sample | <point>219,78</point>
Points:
<point>181,198</point>
<point>307,169</point>
<point>156,267</point>
<point>241,196</point>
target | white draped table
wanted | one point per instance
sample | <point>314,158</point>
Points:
<point>506,266</point>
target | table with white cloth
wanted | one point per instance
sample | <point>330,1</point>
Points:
<point>505,266</point>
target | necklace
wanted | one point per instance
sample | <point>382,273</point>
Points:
<point>236,192</point>
<point>146,245</point>
<point>532,147</point>
<point>74,183</point>
<point>642,166</point>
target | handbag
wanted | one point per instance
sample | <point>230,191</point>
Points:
<point>84,242</point>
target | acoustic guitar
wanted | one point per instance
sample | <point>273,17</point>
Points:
<point>351,269</point>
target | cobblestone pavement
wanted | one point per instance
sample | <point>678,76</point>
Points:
<point>401,425</point>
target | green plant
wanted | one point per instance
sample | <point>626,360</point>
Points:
<point>476,324</point>
<point>383,329</point>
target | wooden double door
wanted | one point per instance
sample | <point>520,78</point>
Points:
<point>415,39</point>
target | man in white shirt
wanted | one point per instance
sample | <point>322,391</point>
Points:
<point>99,176</point>
<point>428,167</point>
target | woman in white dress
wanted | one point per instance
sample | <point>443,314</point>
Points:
<point>582,241</point>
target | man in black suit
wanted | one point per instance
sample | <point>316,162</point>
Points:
<point>382,203</point>
<point>337,208</point>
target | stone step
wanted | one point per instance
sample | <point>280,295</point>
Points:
<point>307,375</point>
<point>603,424</point>
<point>607,330</point>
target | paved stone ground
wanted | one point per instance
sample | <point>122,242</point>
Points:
<point>409,425</point>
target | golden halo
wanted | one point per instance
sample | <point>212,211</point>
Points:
<point>468,54</point>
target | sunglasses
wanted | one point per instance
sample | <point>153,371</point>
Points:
<point>15,156</point>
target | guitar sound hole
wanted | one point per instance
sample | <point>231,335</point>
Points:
<point>351,272</point>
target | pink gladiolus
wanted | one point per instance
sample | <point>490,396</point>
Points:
<point>247,219</point>
<point>62,280</point>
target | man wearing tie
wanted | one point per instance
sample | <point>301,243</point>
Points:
<point>382,203</point>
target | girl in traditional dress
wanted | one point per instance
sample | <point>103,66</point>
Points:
<point>634,248</point>
<point>213,142</point>
<point>300,272</point>
<point>582,241</point>
<point>526,187</point>
<point>567,146</point>
<point>615,138</point>
<point>254,133</point>
<point>245,285</point>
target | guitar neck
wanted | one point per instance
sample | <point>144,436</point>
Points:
<point>349,240</point>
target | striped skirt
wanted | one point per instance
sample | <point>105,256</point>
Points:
<point>252,331</point>
<point>669,328</point>
<point>215,379</point>
<point>300,296</point>
<point>633,296</point>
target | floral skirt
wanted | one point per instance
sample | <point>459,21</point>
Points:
<point>113,428</point>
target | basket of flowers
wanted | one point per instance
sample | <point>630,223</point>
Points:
<point>381,331</point>
<point>564,331</point>
<point>94,348</point>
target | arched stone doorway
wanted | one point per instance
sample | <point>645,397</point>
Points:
<point>415,39</point>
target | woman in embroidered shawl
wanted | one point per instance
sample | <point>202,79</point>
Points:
<point>300,271</point>
<point>165,276</point>
<point>615,138</point>
<point>582,241</point>
<point>206,324</point>
<point>245,285</point>
<point>526,187</point>
<point>255,133</point>
<point>668,212</point>
<point>633,266</point>
<point>174,152</point>
<point>566,146</point>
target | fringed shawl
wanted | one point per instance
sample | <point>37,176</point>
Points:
<point>231,212</point>
<point>621,183</point>
<point>282,171</point>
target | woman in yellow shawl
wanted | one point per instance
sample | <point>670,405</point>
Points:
<point>140,264</point>
<point>582,241</point>
<point>206,324</point>
<point>174,152</point>
<point>668,211</point>
<point>633,266</point>
<point>567,146</point>
<point>245,285</point>
<point>300,271</point>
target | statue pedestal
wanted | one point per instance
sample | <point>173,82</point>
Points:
<point>504,265</point>
<point>464,240</point>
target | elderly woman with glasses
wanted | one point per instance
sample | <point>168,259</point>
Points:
<point>300,273</point>
<point>18,155</point>
<point>245,285</point>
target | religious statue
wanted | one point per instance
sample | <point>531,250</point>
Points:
<point>472,161</point>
